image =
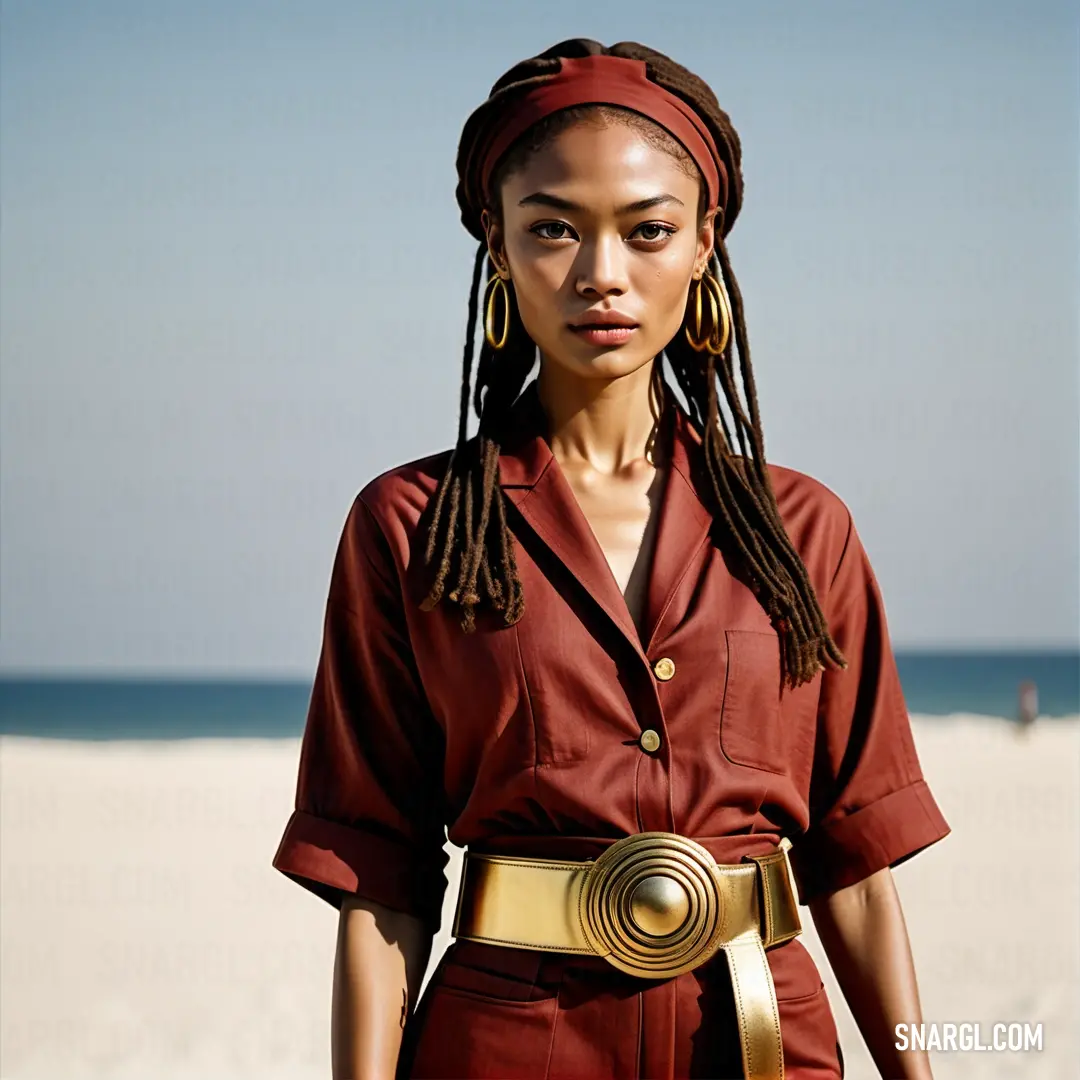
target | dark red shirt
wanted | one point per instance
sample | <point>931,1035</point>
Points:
<point>526,739</point>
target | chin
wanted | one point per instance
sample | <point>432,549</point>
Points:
<point>573,355</point>
<point>602,363</point>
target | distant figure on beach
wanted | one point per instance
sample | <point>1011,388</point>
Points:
<point>1029,704</point>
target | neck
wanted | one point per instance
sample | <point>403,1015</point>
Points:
<point>610,426</point>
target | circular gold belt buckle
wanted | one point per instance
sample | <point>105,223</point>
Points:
<point>651,905</point>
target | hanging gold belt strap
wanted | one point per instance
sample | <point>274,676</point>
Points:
<point>654,904</point>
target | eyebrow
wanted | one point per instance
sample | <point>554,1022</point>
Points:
<point>542,198</point>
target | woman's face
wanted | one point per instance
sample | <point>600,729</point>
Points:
<point>599,221</point>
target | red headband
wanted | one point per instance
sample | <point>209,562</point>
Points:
<point>611,80</point>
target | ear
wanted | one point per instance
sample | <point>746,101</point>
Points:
<point>496,247</point>
<point>706,240</point>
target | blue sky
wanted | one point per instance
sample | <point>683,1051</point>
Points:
<point>233,286</point>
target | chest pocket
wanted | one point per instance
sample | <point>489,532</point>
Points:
<point>563,685</point>
<point>750,728</point>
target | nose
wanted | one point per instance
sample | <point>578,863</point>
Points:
<point>601,267</point>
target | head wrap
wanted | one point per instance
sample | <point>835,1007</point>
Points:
<point>607,80</point>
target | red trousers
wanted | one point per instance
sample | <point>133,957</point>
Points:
<point>506,1013</point>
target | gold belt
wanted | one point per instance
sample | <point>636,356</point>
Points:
<point>654,904</point>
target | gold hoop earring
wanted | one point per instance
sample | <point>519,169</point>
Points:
<point>493,286</point>
<point>695,339</point>
<point>719,338</point>
<point>719,333</point>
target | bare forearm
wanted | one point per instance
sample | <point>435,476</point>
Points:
<point>379,965</point>
<point>863,932</point>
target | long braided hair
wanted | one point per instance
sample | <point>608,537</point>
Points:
<point>469,543</point>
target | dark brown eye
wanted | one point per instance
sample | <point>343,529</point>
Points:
<point>551,225</point>
<point>656,231</point>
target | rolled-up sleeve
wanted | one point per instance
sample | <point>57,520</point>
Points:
<point>870,806</point>
<point>368,817</point>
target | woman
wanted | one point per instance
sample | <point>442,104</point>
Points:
<point>623,659</point>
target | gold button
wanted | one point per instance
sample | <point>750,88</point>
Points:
<point>664,668</point>
<point>650,740</point>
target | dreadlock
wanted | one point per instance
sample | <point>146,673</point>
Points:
<point>469,543</point>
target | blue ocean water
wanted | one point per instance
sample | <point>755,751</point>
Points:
<point>168,708</point>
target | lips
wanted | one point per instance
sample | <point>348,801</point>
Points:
<point>603,320</point>
<point>604,334</point>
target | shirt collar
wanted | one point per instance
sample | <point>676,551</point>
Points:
<point>533,481</point>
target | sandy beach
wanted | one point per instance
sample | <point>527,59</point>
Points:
<point>143,932</point>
